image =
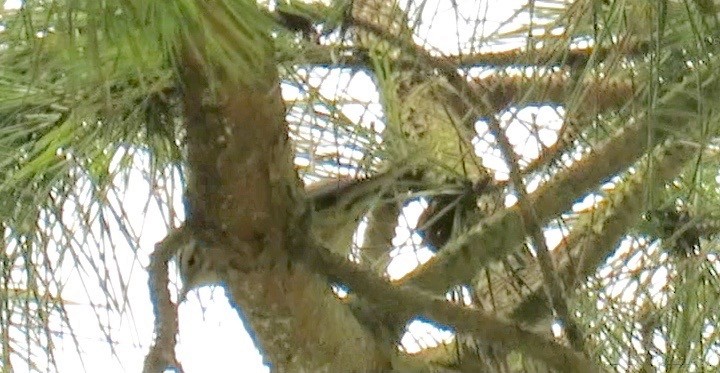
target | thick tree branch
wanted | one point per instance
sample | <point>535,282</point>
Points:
<point>591,96</point>
<point>597,234</point>
<point>301,324</point>
<point>407,300</point>
<point>497,236</point>
<point>593,239</point>
<point>500,234</point>
<point>244,195</point>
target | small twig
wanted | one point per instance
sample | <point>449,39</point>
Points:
<point>553,283</point>
<point>162,353</point>
<point>552,153</point>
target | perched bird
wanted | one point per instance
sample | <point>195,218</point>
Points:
<point>195,266</point>
<point>339,206</point>
<point>678,231</point>
<point>448,212</point>
<point>297,23</point>
<point>435,224</point>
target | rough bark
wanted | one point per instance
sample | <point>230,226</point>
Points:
<point>244,195</point>
<point>405,299</point>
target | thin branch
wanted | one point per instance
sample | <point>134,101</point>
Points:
<point>162,352</point>
<point>502,233</point>
<point>553,283</point>
<point>592,241</point>
<point>551,50</point>
<point>488,95</point>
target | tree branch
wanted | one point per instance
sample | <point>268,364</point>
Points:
<point>498,235</point>
<point>244,197</point>
<point>502,233</point>
<point>591,241</point>
<point>552,283</point>
<point>407,300</point>
<point>162,352</point>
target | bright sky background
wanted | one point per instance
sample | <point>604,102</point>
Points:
<point>212,339</point>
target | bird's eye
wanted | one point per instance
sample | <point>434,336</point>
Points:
<point>191,260</point>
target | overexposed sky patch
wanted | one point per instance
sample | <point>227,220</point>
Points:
<point>13,4</point>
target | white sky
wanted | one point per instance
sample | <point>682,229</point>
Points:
<point>212,338</point>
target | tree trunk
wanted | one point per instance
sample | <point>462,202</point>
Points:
<point>243,195</point>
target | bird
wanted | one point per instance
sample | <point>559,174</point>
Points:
<point>297,23</point>
<point>435,224</point>
<point>195,266</point>
<point>677,229</point>
<point>341,203</point>
<point>338,203</point>
<point>448,212</point>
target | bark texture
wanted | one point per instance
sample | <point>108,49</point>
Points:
<point>243,195</point>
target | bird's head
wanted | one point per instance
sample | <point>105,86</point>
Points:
<point>196,267</point>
